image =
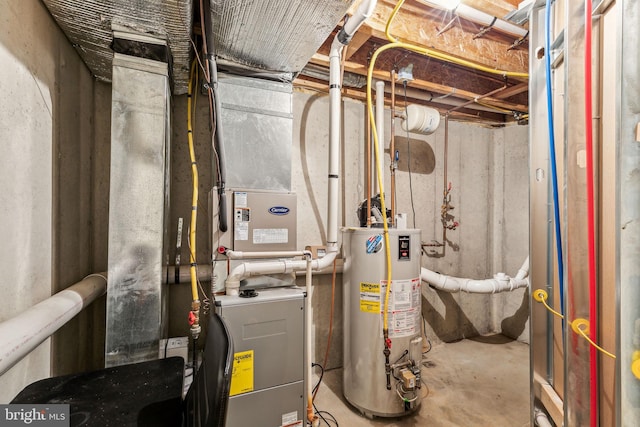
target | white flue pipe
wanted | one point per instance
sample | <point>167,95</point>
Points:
<point>307,353</point>
<point>380,131</point>
<point>254,255</point>
<point>232,284</point>
<point>23,333</point>
<point>499,283</point>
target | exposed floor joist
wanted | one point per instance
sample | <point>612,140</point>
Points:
<point>420,24</point>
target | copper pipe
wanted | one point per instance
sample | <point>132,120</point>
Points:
<point>392,148</point>
<point>445,186</point>
<point>477,98</point>
<point>368,167</point>
<point>446,149</point>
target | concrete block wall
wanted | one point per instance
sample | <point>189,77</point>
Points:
<point>52,185</point>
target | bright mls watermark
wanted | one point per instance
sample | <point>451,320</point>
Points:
<point>51,415</point>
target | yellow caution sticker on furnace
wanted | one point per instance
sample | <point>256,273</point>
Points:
<point>242,375</point>
<point>370,297</point>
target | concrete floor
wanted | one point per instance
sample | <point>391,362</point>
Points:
<point>482,381</point>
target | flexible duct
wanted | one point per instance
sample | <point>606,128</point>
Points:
<point>23,333</point>
<point>499,283</point>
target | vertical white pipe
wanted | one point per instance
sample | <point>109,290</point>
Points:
<point>334,143</point>
<point>380,128</point>
<point>307,335</point>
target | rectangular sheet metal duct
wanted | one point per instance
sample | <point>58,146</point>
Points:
<point>258,126</point>
<point>137,207</point>
<point>89,25</point>
<point>274,35</point>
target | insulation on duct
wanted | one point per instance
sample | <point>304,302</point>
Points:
<point>89,25</point>
<point>275,35</point>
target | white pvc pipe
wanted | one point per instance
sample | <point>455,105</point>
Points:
<point>23,333</point>
<point>380,129</point>
<point>364,11</point>
<point>307,353</point>
<point>274,254</point>
<point>541,419</point>
<point>282,266</point>
<point>499,283</point>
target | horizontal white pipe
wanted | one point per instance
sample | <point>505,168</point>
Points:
<point>250,269</point>
<point>23,333</point>
<point>499,283</point>
<point>477,16</point>
<point>274,254</point>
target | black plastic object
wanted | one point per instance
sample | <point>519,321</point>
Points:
<point>376,211</point>
<point>147,394</point>
<point>248,293</point>
<point>208,398</point>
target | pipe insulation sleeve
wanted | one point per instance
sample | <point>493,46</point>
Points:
<point>23,333</point>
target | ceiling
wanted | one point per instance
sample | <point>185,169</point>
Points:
<point>291,40</point>
<point>442,85</point>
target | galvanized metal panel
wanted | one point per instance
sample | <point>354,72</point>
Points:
<point>539,202</point>
<point>577,376</point>
<point>139,141</point>
<point>274,35</point>
<point>272,326</point>
<point>258,126</point>
<point>89,25</point>
<point>628,199</point>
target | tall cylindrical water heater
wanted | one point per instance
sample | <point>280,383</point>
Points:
<point>371,385</point>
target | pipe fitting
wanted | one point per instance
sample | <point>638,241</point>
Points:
<point>232,287</point>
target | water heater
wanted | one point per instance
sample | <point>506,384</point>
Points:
<point>372,386</point>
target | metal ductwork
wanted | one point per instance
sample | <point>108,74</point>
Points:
<point>89,25</point>
<point>275,35</point>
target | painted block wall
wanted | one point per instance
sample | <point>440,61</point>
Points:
<point>50,200</point>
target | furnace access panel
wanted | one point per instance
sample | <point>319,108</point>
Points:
<point>259,221</point>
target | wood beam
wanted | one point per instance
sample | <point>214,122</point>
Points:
<point>513,91</point>
<point>422,29</point>
<point>468,114</point>
<point>360,38</point>
<point>357,68</point>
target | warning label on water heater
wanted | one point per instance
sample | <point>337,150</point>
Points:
<point>404,307</point>
<point>370,297</point>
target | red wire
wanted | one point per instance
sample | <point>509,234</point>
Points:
<point>588,113</point>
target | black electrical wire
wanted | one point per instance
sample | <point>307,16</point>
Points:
<point>406,104</point>
<point>330,417</point>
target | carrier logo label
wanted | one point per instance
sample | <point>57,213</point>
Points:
<point>279,210</point>
<point>374,244</point>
